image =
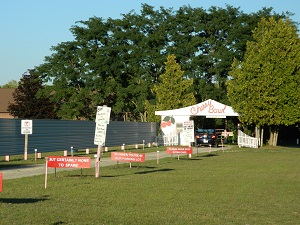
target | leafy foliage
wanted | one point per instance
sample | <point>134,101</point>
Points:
<point>265,86</point>
<point>10,84</point>
<point>116,62</point>
<point>173,91</point>
<point>27,103</point>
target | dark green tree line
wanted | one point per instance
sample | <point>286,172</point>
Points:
<point>116,62</point>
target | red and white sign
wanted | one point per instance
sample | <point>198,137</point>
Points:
<point>179,150</point>
<point>127,157</point>
<point>69,162</point>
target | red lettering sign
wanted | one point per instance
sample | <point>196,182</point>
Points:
<point>127,157</point>
<point>210,108</point>
<point>196,109</point>
<point>69,162</point>
<point>179,150</point>
<point>0,182</point>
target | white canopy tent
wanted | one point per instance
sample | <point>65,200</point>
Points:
<point>173,131</point>
<point>209,108</point>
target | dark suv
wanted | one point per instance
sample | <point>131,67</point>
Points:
<point>206,137</point>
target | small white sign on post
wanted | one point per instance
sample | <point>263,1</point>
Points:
<point>100,134</point>
<point>103,114</point>
<point>102,119</point>
<point>188,131</point>
<point>26,128</point>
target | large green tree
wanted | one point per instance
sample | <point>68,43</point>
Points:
<point>116,62</point>
<point>265,86</point>
<point>28,102</point>
<point>173,90</point>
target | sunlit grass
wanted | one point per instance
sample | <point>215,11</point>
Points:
<point>238,186</point>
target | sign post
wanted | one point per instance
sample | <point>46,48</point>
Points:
<point>102,119</point>
<point>0,182</point>
<point>26,128</point>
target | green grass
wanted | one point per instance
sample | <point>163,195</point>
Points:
<point>239,186</point>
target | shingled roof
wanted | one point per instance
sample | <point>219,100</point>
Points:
<point>6,97</point>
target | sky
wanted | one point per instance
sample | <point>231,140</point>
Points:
<point>30,27</point>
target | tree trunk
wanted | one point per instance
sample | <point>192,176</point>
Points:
<point>257,134</point>
<point>273,136</point>
<point>270,142</point>
<point>262,137</point>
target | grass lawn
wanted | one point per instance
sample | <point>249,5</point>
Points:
<point>238,186</point>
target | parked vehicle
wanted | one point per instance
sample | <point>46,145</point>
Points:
<point>206,137</point>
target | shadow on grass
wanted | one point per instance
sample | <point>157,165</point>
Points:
<point>59,222</point>
<point>153,171</point>
<point>192,159</point>
<point>21,200</point>
<point>210,155</point>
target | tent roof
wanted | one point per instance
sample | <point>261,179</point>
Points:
<point>209,108</point>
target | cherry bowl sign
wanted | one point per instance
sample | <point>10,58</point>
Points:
<point>179,150</point>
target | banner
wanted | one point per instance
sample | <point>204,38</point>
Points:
<point>69,162</point>
<point>179,150</point>
<point>127,157</point>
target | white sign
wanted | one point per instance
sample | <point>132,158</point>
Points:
<point>103,114</point>
<point>102,119</point>
<point>26,127</point>
<point>188,131</point>
<point>100,134</point>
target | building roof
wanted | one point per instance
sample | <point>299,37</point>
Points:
<point>6,97</point>
<point>209,108</point>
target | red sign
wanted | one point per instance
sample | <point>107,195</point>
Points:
<point>127,157</point>
<point>0,182</point>
<point>179,150</point>
<point>69,162</point>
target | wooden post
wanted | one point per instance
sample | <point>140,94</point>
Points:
<point>97,165</point>
<point>35,156</point>
<point>0,182</point>
<point>26,147</point>
<point>46,172</point>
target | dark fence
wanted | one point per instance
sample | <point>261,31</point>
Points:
<point>53,135</point>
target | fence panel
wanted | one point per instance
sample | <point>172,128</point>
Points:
<point>247,141</point>
<point>53,135</point>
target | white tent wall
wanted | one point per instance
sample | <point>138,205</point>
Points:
<point>172,132</point>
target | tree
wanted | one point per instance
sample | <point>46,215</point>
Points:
<point>173,90</point>
<point>116,62</point>
<point>265,86</point>
<point>27,102</point>
<point>10,84</point>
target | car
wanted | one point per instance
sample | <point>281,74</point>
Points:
<point>206,137</point>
